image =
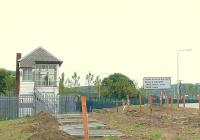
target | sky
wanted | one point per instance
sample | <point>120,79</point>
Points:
<point>138,38</point>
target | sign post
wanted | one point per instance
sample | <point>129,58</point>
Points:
<point>150,83</point>
<point>157,82</point>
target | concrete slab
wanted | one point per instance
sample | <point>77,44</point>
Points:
<point>62,116</point>
<point>74,121</point>
<point>93,133</point>
<point>80,126</point>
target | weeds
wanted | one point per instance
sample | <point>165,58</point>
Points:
<point>155,135</point>
<point>112,138</point>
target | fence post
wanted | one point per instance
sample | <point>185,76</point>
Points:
<point>140,98</point>
<point>84,115</point>
<point>151,103</point>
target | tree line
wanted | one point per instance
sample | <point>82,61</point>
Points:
<point>115,85</point>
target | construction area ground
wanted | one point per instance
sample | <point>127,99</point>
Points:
<point>177,124</point>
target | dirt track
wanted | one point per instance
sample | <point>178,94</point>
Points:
<point>178,124</point>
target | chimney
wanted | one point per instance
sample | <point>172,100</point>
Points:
<point>18,56</point>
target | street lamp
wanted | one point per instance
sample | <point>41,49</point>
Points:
<point>178,81</point>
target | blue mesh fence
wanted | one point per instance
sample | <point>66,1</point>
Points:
<point>66,104</point>
<point>8,107</point>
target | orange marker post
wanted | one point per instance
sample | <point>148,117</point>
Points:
<point>85,119</point>
<point>140,98</point>
<point>128,103</point>
<point>151,100</point>
<point>160,102</point>
<point>117,105</point>
<point>167,104</point>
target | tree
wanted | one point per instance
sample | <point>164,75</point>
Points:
<point>10,82</point>
<point>61,83</point>
<point>75,83</point>
<point>7,81</point>
<point>75,80</point>
<point>189,89</point>
<point>68,83</point>
<point>97,83</point>
<point>89,81</point>
<point>119,85</point>
<point>3,74</point>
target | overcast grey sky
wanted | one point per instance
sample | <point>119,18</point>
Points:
<point>135,37</point>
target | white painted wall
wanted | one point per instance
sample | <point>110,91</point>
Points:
<point>27,87</point>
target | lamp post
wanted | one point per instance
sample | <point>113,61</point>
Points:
<point>178,81</point>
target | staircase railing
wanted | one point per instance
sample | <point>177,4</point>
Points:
<point>44,101</point>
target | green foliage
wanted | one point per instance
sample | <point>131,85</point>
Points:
<point>190,89</point>
<point>98,127</point>
<point>72,84</point>
<point>97,83</point>
<point>75,80</point>
<point>7,82</point>
<point>61,83</point>
<point>155,135</point>
<point>89,81</point>
<point>70,91</point>
<point>118,85</point>
<point>111,137</point>
<point>10,82</point>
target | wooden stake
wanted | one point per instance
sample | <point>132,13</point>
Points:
<point>140,98</point>
<point>151,109</point>
<point>85,119</point>
<point>167,104</point>
<point>117,105</point>
<point>128,103</point>
<point>160,102</point>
